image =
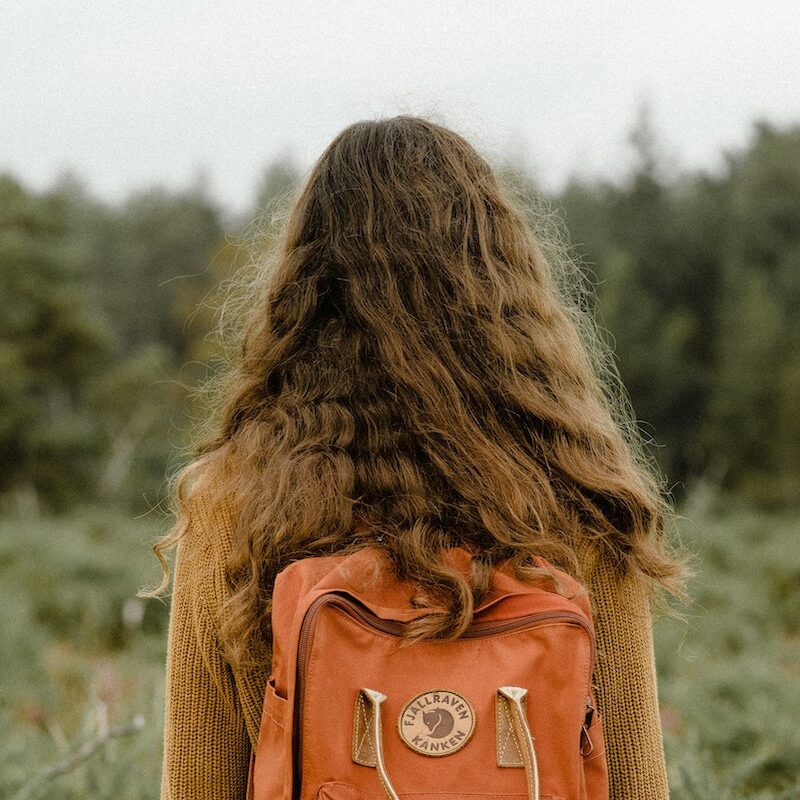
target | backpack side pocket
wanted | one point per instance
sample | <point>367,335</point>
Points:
<point>595,767</point>
<point>270,761</point>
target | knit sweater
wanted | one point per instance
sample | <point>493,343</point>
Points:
<point>213,712</point>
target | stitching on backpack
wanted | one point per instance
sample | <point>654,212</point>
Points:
<point>367,737</point>
<point>511,735</point>
<point>362,737</point>
<point>502,759</point>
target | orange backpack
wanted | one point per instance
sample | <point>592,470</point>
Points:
<point>353,712</point>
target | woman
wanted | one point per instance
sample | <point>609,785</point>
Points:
<point>411,375</point>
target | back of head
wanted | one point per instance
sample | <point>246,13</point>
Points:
<point>412,377</point>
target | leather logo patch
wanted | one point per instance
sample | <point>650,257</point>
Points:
<point>436,723</point>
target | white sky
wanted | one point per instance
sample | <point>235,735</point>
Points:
<point>127,94</point>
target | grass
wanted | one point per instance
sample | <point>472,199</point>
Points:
<point>729,678</point>
<point>79,652</point>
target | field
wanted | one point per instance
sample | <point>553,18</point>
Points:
<point>81,660</point>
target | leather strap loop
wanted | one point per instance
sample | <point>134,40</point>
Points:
<point>514,697</point>
<point>374,701</point>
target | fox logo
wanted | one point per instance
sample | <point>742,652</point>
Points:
<point>436,723</point>
<point>439,722</point>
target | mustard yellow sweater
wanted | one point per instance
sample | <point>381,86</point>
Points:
<point>213,712</point>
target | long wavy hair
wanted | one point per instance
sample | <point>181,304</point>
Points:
<point>419,369</point>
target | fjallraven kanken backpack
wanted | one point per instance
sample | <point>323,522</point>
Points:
<point>353,712</point>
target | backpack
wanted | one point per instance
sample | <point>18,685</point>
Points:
<point>354,712</point>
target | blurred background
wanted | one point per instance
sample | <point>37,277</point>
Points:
<point>139,145</point>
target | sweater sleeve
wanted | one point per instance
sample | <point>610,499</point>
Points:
<point>625,685</point>
<point>206,747</point>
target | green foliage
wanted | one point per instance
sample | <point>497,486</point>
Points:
<point>697,281</point>
<point>79,651</point>
<point>756,389</point>
<point>152,268</point>
<point>50,340</point>
<point>108,309</point>
<point>728,676</point>
<point>96,329</point>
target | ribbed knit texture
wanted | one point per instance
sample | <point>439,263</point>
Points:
<point>213,713</point>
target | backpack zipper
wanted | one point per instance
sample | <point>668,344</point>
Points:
<point>395,628</point>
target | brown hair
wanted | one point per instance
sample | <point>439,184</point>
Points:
<point>419,370</point>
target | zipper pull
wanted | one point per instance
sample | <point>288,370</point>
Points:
<point>587,746</point>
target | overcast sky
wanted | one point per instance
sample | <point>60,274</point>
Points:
<point>127,94</point>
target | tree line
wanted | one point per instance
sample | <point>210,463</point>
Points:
<point>105,330</point>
